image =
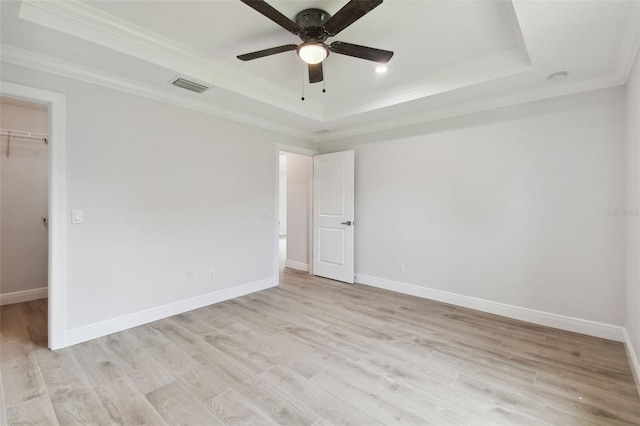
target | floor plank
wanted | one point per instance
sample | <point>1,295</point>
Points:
<point>73,400</point>
<point>202,383</point>
<point>36,412</point>
<point>97,364</point>
<point>34,318</point>
<point>11,326</point>
<point>178,406</point>
<point>125,405</point>
<point>330,407</point>
<point>232,409</point>
<point>19,372</point>
<point>145,373</point>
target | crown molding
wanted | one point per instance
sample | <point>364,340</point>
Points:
<point>522,97</point>
<point>24,58</point>
<point>94,25</point>
<point>80,20</point>
<point>86,22</point>
<point>28,59</point>
<point>629,49</point>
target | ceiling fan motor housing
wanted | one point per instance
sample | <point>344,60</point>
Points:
<point>311,21</point>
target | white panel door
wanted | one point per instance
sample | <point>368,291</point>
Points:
<point>333,211</point>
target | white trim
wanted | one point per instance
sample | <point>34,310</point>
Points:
<point>296,265</point>
<point>633,359</point>
<point>48,64</point>
<point>563,322</point>
<point>276,216</point>
<point>57,202</point>
<point>93,331</point>
<point>23,296</point>
<point>74,71</point>
<point>89,23</point>
<point>508,100</point>
<point>296,149</point>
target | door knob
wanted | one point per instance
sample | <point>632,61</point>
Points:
<point>348,223</point>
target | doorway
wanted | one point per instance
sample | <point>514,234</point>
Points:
<point>57,207</point>
<point>295,181</point>
<point>315,205</point>
<point>24,207</point>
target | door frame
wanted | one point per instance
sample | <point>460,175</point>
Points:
<point>301,151</point>
<point>57,202</point>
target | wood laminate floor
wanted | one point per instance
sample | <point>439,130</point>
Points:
<point>315,352</point>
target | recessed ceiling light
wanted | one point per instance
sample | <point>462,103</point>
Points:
<point>557,76</point>
<point>381,69</point>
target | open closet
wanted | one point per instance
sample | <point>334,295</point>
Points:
<point>24,200</point>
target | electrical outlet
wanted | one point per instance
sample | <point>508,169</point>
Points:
<point>212,274</point>
<point>400,266</point>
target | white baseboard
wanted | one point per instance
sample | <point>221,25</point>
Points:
<point>577,325</point>
<point>24,296</point>
<point>93,331</point>
<point>633,359</point>
<point>296,265</point>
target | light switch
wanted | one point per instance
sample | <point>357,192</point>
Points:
<point>76,216</point>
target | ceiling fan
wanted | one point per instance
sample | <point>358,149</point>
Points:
<point>314,26</point>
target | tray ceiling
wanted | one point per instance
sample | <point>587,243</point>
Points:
<point>450,57</point>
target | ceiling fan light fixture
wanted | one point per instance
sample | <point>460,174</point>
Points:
<point>381,69</point>
<point>312,52</point>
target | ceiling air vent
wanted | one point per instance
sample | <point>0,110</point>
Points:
<point>189,85</point>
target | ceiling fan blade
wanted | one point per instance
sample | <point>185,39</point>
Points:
<point>271,13</point>
<point>349,14</point>
<point>315,73</point>
<point>267,52</point>
<point>362,52</point>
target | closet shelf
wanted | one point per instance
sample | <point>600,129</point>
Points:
<point>18,134</point>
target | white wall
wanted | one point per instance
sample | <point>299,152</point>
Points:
<point>632,319</point>
<point>24,202</point>
<point>506,205</point>
<point>282,196</point>
<point>167,194</point>
<point>299,171</point>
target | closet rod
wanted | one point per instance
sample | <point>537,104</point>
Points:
<point>28,137</point>
<point>16,134</point>
<point>24,135</point>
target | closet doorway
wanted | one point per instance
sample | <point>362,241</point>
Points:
<point>24,211</point>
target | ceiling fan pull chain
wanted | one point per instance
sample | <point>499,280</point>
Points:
<point>304,69</point>
<point>324,79</point>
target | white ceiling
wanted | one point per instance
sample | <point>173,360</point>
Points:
<point>451,57</point>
